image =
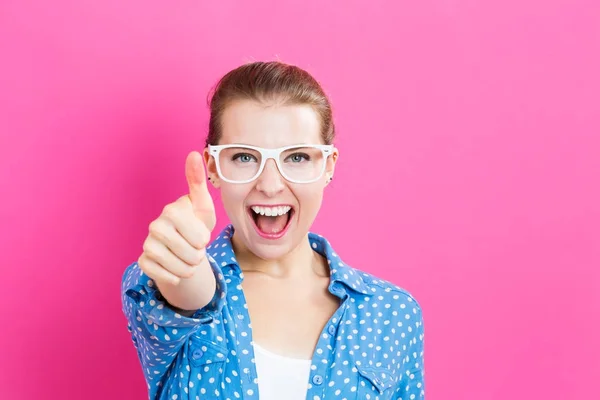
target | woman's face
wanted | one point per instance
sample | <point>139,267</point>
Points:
<point>270,126</point>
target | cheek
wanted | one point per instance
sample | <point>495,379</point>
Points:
<point>310,200</point>
<point>233,198</point>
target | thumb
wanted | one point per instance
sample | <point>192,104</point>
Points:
<point>202,202</point>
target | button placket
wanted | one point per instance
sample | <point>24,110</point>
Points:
<point>241,314</point>
<point>317,380</point>
<point>331,329</point>
<point>321,370</point>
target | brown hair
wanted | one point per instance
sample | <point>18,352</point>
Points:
<point>268,82</point>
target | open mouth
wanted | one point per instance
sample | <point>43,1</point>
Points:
<point>271,222</point>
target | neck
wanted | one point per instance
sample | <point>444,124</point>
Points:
<point>301,262</point>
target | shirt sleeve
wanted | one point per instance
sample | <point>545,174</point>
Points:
<point>412,384</point>
<point>158,331</point>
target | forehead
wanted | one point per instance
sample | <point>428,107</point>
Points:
<point>269,125</point>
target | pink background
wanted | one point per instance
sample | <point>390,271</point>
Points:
<point>469,174</point>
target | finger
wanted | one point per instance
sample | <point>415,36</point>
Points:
<point>191,228</point>
<point>202,202</point>
<point>189,252</point>
<point>160,254</point>
<point>156,272</point>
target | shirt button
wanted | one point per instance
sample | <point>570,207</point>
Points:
<point>197,354</point>
<point>317,379</point>
<point>331,330</point>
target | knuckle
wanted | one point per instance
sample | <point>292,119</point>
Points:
<point>170,211</point>
<point>159,232</point>
<point>146,247</point>
<point>142,262</point>
<point>154,226</point>
<point>152,252</point>
<point>145,266</point>
<point>183,201</point>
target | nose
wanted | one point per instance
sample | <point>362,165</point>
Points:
<point>270,181</point>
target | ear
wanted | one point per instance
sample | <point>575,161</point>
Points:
<point>211,169</point>
<point>330,166</point>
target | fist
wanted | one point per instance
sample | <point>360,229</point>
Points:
<point>177,239</point>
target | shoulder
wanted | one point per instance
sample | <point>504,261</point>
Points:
<point>393,309</point>
<point>388,292</point>
<point>363,282</point>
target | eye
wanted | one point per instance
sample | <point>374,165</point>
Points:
<point>298,157</point>
<point>243,157</point>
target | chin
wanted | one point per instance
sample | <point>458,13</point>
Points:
<point>270,252</point>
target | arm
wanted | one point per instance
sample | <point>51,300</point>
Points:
<point>158,330</point>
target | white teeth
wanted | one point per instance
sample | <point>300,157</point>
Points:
<point>271,211</point>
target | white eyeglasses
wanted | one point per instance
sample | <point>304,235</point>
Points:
<point>238,163</point>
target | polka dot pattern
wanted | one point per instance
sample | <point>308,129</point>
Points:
<point>371,348</point>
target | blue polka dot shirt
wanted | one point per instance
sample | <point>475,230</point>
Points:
<point>371,348</point>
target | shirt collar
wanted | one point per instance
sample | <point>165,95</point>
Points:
<point>221,250</point>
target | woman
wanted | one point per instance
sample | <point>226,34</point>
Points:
<point>268,310</point>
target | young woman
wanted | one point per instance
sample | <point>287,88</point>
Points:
<point>268,310</point>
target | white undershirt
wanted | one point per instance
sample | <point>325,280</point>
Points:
<point>280,377</point>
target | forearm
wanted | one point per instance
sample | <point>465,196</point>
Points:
<point>191,293</point>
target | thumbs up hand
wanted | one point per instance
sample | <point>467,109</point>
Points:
<point>175,248</point>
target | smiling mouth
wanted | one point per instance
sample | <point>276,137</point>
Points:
<point>271,221</point>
